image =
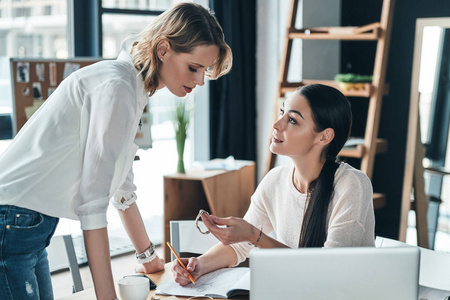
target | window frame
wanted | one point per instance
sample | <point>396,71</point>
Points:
<point>87,28</point>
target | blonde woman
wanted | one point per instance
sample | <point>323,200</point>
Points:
<point>76,153</point>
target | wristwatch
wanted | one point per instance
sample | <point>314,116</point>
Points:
<point>147,256</point>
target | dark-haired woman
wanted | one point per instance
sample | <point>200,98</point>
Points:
<point>316,202</point>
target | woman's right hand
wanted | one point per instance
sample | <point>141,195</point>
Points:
<point>179,273</point>
<point>230,230</point>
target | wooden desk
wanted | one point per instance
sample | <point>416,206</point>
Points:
<point>158,278</point>
<point>221,192</point>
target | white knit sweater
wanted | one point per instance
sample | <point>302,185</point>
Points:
<point>278,206</point>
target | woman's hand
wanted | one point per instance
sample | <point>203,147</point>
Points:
<point>180,275</point>
<point>154,266</point>
<point>230,230</point>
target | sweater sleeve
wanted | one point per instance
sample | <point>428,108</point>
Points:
<point>257,216</point>
<point>351,214</point>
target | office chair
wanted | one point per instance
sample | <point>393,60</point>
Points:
<point>187,241</point>
<point>386,242</point>
<point>434,269</point>
<point>59,259</point>
<point>434,266</point>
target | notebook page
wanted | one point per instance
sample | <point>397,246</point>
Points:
<point>216,283</point>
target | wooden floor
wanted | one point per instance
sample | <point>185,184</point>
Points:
<point>121,266</point>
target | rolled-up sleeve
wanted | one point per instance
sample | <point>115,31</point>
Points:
<point>125,192</point>
<point>107,123</point>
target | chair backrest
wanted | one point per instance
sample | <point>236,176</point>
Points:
<point>59,259</point>
<point>386,242</point>
<point>185,238</point>
<point>434,266</point>
<point>434,269</point>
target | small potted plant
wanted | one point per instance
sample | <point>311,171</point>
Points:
<point>350,81</point>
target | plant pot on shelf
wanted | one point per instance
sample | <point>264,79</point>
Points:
<point>348,86</point>
<point>349,81</point>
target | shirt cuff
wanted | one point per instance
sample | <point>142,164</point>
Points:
<point>129,199</point>
<point>92,222</point>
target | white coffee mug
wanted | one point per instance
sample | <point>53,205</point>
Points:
<point>134,288</point>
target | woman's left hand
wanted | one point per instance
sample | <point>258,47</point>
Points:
<point>154,266</point>
<point>230,230</point>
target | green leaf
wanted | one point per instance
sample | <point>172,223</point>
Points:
<point>355,78</point>
<point>180,120</point>
<point>181,116</point>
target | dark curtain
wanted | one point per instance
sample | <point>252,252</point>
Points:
<point>87,28</point>
<point>232,97</point>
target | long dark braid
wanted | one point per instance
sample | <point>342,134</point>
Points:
<point>330,109</point>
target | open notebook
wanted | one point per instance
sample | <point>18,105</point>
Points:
<point>223,283</point>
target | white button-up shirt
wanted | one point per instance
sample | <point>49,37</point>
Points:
<point>76,152</point>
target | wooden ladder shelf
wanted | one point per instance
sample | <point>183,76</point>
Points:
<point>379,32</point>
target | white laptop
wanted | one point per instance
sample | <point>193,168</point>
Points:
<point>362,273</point>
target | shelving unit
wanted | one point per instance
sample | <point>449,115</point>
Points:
<point>379,32</point>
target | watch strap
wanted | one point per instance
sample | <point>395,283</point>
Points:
<point>147,256</point>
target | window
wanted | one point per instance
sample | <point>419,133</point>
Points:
<point>139,4</point>
<point>118,27</point>
<point>28,30</point>
<point>431,40</point>
<point>47,10</point>
<point>22,12</point>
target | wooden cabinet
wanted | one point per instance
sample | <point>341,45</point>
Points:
<point>220,192</point>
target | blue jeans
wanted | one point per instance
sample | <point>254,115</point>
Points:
<point>24,269</point>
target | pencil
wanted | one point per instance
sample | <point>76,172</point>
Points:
<point>181,263</point>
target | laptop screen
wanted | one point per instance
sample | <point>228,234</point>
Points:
<point>335,273</point>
